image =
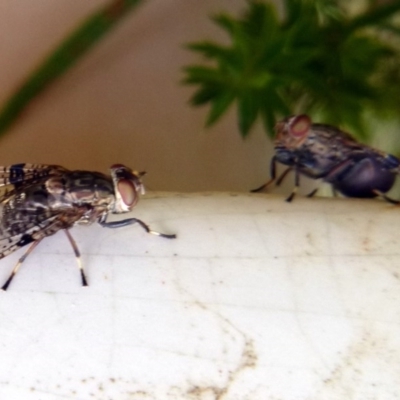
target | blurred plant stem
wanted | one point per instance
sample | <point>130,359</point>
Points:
<point>318,59</point>
<point>78,43</point>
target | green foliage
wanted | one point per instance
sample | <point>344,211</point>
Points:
<point>317,60</point>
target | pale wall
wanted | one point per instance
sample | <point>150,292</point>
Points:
<point>124,102</point>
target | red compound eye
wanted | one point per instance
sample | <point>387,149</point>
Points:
<point>300,125</point>
<point>127,191</point>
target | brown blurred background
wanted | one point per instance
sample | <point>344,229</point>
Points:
<point>123,102</point>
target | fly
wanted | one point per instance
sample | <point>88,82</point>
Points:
<point>39,200</point>
<point>321,151</point>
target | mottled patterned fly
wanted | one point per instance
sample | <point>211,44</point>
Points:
<point>321,151</point>
<point>39,200</point>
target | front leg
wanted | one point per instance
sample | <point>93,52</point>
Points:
<point>272,171</point>
<point>130,221</point>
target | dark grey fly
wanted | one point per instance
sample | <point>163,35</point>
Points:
<point>39,200</point>
<point>321,151</point>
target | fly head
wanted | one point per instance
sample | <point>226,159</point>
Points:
<point>292,131</point>
<point>127,187</point>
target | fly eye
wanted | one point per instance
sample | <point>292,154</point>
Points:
<point>128,192</point>
<point>300,125</point>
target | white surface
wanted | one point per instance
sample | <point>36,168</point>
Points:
<point>256,299</point>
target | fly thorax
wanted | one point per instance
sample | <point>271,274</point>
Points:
<point>55,185</point>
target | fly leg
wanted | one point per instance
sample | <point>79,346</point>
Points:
<point>283,176</point>
<point>130,221</point>
<point>262,187</point>
<point>78,257</point>
<point>387,198</point>
<point>296,186</point>
<point>273,177</point>
<point>19,263</point>
<point>312,193</point>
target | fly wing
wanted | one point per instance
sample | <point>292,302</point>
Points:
<point>19,229</point>
<point>26,174</point>
<point>16,177</point>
